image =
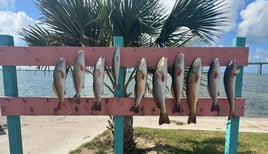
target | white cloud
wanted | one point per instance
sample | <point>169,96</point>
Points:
<point>7,4</point>
<point>233,9</point>
<point>254,21</point>
<point>12,22</point>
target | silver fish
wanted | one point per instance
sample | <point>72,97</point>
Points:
<point>79,74</point>
<point>159,89</point>
<point>229,85</point>
<point>116,66</point>
<point>59,76</point>
<point>213,83</point>
<point>177,79</point>
<point>140,85</point>
<point>193,87</point>
<point>98,82</point>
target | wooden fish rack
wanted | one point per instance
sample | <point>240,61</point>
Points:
<point>14,106</point>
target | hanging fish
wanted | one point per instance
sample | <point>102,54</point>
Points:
<point>98,82</point>
<point>116,66</point>
<point>79,74</point>
<point>213,83</point>
<point>193,87</point>
<point>59,76</point>
<point>177,79</point>
<point>229,85</point>
<point>159,89</point>
<point>140,85</point>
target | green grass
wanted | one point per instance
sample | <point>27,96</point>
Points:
<point>180,141</point>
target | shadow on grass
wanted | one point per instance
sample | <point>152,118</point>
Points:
<point>209,146</point>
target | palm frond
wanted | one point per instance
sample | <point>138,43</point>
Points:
<point>131,19</point>
<point>75,22</point>
<point>203,17</point>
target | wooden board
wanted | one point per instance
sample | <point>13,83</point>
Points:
<point>48,56</point>
<point>110,106</point>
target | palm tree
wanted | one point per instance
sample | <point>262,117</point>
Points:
<point>142,23</point>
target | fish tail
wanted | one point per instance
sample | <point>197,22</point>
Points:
<point>134,109</point>
<point>176,108</point>
<point>96,107</point>
<point>163,119</point>
<point>231,115</point>
<point>192,119</point>
<point>76,98</point>
<point>61,106</point>
<point>215,107</point>
<point>116,86</point>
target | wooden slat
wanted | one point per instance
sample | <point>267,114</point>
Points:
<point>110,106</point>
<point>48,56</point>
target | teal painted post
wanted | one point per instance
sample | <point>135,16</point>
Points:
<point>119,120</point>
<point>11,89</point>
<point>232,129</point>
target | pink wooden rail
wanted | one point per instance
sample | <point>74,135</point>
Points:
<point>110,106</point>
<point>48,56</point>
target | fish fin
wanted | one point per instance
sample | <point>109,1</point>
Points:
<point>215,107</point>
<point>54,89</point>
<point>81,67</point>
<point>208,92</point>
<point>163,119</point>
<point>96,107</point>
<point>231,116</point>
<point>172,90</point>
<point>237,72</point>
<point>163,77</point>
<point>179,72</point>
<point>197,78</point>
<point>183,93</point>
<point>62,75</point>
<point>143,76</point>
<point>216,74</point>
<point>192,119</point>
<point>134,109</point>
<point>135,89</point>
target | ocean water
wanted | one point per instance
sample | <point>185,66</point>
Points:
<point>38,83</point>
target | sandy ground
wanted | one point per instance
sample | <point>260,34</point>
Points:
<point>60,134</point>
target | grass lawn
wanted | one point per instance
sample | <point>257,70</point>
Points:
<point>179,141</point>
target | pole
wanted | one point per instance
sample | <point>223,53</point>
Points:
<point>11,89</point>
<point>232,129</point>
<point>119,120</point>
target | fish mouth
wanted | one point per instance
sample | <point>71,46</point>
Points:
<point>197,62</point>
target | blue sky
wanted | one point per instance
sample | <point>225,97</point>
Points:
<point>249,18</point>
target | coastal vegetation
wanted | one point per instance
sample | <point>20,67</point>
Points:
<point>151,140</point>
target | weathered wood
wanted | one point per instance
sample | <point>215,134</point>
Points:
<point>11,89</point>
<point>110,106</point>
<point>232,128</point>
<point>119,120</point>
<point>48,56</point>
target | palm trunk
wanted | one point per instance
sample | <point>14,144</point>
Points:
<point>129,144</point>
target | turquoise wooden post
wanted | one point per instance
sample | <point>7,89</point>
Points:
<point>11,89</point>
<point>232,129</point>
<point>119,120</point>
